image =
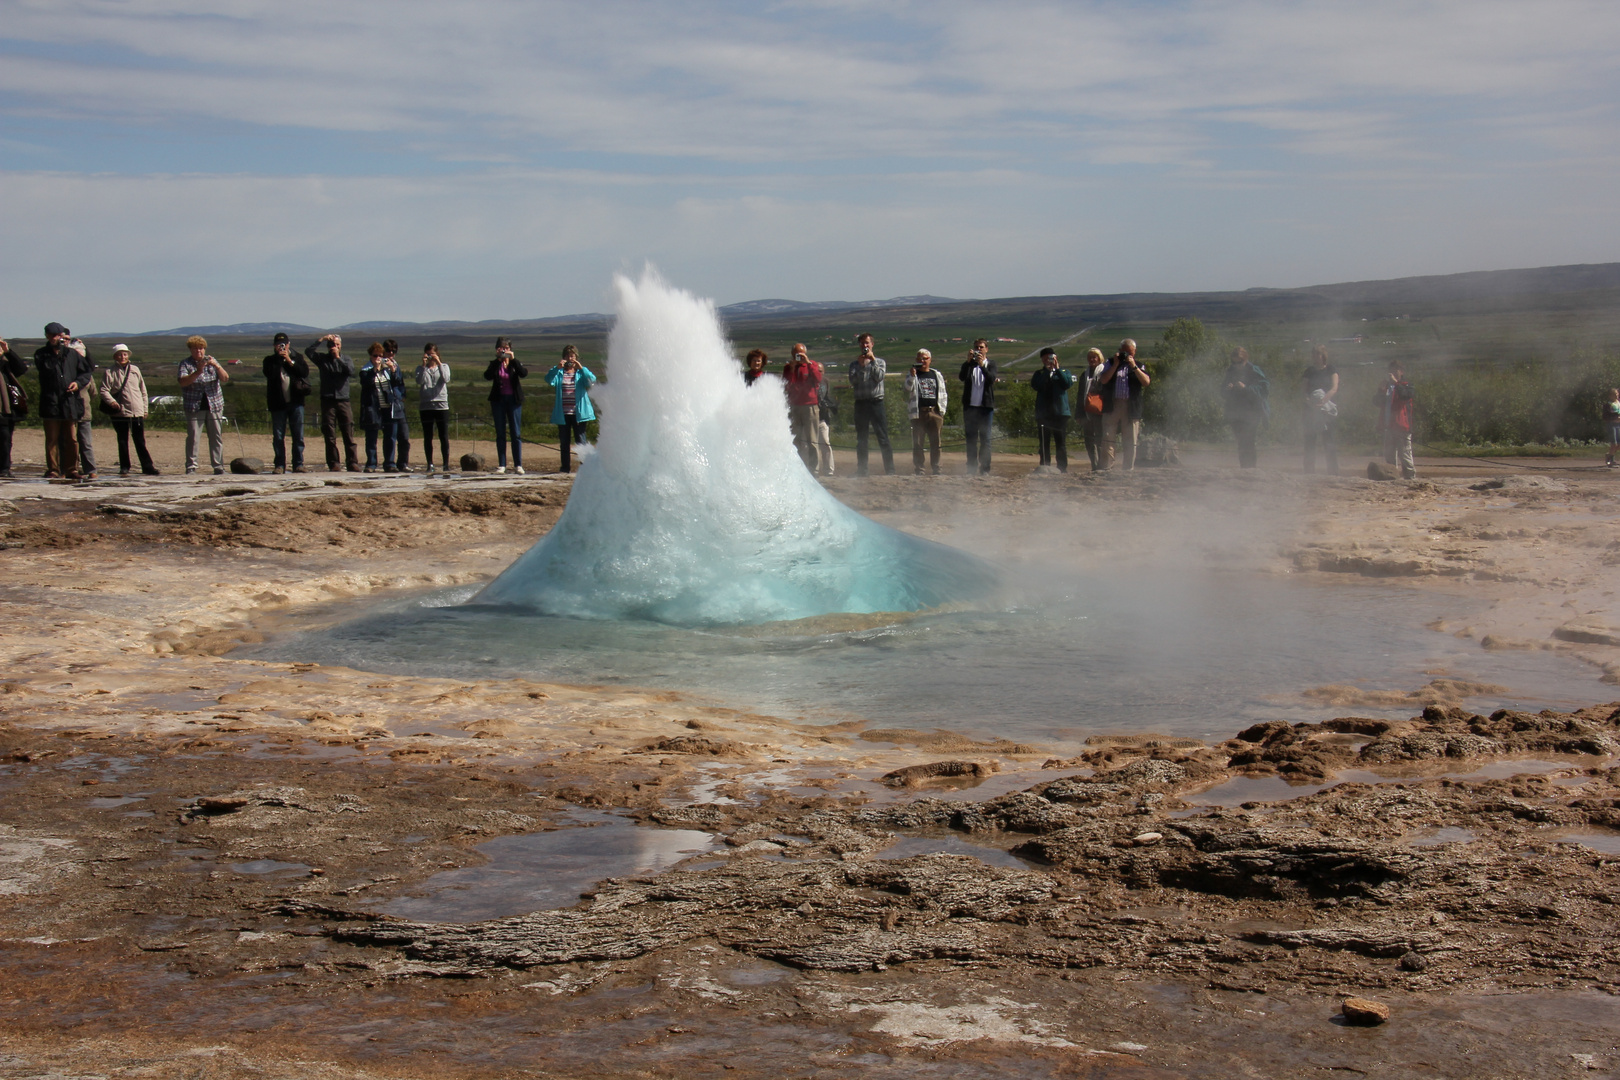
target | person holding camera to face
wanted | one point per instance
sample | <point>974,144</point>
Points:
<point>1122,382</point>
<point>802,378</point>
<point>506,374</point>
<point>1051,385</point>
<point>13,402</point>
<point>64,367</point>
<point>391,404</point>
<point>370,411</point>
<point>978,378</point>
<point>286,385</point>
<point>926,401</point>
<point>866,375</point>
<point>202,387</point>
<point>433,402</point>
<point>572,409</point>
<point>337,415</point>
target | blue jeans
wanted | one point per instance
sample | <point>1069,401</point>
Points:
<point>508,414</point>
<point>278,435</point>
<point>371,444</point>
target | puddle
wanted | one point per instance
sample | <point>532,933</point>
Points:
<point>540,871</point>
<point>1449,834</point>
<point>267,866</point>
<point>909,846</point>
<point>1600,840</point>
<point>108,802</point>
<point>1242,789</point>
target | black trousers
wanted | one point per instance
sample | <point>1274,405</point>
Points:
<point>976,426</point>
<point>871,417</point>
<point>569,433</point>
<point>1055,436</point>
<point>1246,430</point>
<point>436,420</point>
<point>132,428</point>
<point>8,424</point>
<point>338,416</point>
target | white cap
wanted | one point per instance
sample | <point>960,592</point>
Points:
<point>120,347</point>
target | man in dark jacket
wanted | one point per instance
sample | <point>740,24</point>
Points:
<point>1121,384</point>
<point>979,380</point>
<point>14,367</point>
<point>286,385</point>
<point>64,367</point>
<point>336,413</point>
<point>1051,385</point>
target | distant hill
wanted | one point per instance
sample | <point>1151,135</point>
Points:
<point>1579,287</point>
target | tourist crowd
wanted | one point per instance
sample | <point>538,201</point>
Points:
<point>1107,406</point>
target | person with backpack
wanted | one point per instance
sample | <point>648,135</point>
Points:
<point>1247,408</point>
<point>13,402</point>
<point>1395,396</point>
<point>286,385</point>
<point>123,397</point>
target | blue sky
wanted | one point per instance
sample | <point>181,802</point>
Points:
<point>169,163</point>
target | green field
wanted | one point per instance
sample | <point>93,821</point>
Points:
<point>1504,361</point>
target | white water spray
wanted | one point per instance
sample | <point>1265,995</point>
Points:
<point>695,508</point>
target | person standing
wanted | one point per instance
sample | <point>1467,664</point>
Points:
<point>13,402</point>
<point>88,400</point>
<point>1123,381</point>
<point>1088,404</point>
<point>926,401</point>
<point>286,385</point>
<point>1611,424</point>
<point>1051,385</point>
<point>63,366</point>
<point>571,408</point>
<point>1321,413</point>
<point>1395,396</point>
<point>1246,391</point>
<point>753,367</point>
<point>391,403</point>
<point>978,378</point>
<point>506,374</point>
<point>804,377</point>
<point>826,413</point>
<point>866,375</point>
<point>337,414</point>
<point>370,409</point>
<point>433,402</point>
<point>123,395</point>
<point>202,382</point>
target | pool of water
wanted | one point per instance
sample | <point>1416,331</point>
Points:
<point>1185,653</point>
<point>540,871</point>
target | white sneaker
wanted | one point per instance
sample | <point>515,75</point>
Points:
<point>500,469</point>
<point>519,470</point>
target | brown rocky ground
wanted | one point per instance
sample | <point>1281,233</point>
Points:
<point>195,847</point>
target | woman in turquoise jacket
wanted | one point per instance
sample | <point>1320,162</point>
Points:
<point>572,409</point>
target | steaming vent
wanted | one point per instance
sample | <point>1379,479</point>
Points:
<point>695,510</point>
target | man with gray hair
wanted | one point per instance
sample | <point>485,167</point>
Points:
<point>1121,384</point>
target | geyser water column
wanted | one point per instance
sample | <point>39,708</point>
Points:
<point>696,510</point>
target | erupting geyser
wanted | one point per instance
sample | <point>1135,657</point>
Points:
<point>695,509</point>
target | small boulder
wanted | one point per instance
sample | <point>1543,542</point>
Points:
<point>1382,470</point>
<point>1364,1012</point>
<point>473,463</point>
<point>1144,839</point>
<point>1414,961</point>
<point>247,466</point>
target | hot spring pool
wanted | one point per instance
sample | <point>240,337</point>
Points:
<point>1201,654</point>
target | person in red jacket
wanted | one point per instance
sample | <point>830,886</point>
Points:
<point>1395,419</point>
<point>804,377</point>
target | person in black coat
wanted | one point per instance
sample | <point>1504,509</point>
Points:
<point>286,385</point>
<point>336,412</point>
<point>12,368</point>
<point>979,380</point>
<point>506,374</point>
<point>64,367</point>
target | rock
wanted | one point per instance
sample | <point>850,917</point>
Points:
<point>1593,629</point>
<point>912,775</point>
<point>1382,470</point>
<point>1414,961</point>
<point>473,463</point>
<point>247,466</point>
<point>1144,839</point>
<point>1364,1012</point>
